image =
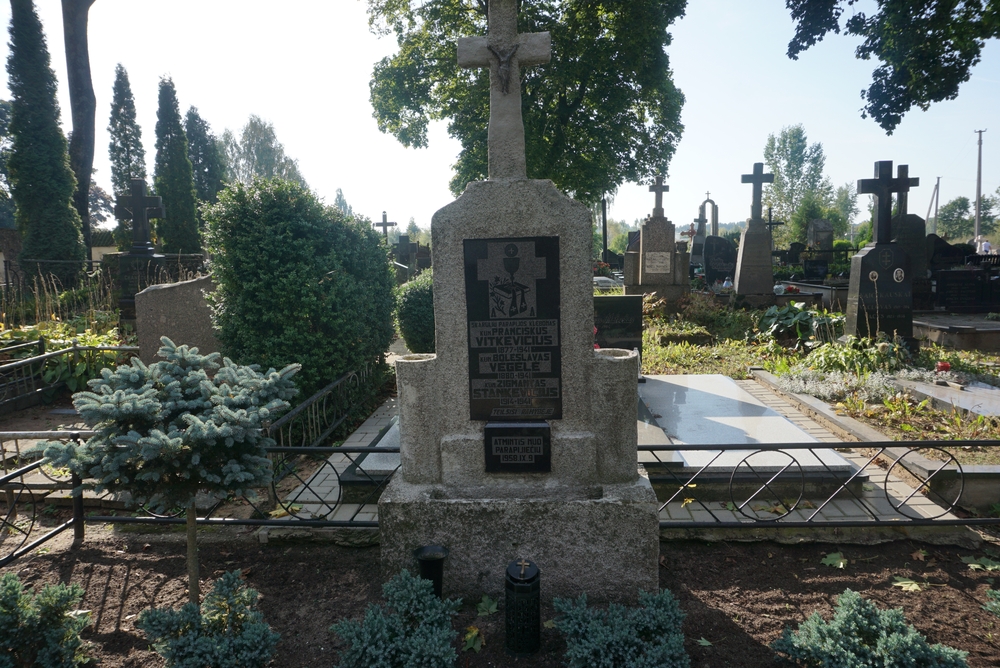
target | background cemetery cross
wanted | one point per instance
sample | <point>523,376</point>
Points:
<point>903,175</point>
<point>504,51</point>
<point>882,187</point>
<point>758,179</point>
<point>385,225</point>
<point>140,207</point>
<point>659,188</point>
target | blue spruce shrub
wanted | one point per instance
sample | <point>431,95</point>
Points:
<point>993,605</point>
<point>648,636</point>
<point>862,635</point>
<point>43,630</point>
<point>297,281</point>
<point>415,313</point>
<point>413,630</point>
<point>166,431</point>
<point>227,631</point>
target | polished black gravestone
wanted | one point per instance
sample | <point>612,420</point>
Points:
<point>618,319</point>
<point>138,267</point>
<point>512,307</point>
<point>815,270</point>
<point>720,259</point>
<point>880,297</point>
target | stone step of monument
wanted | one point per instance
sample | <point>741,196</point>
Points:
<point>977,398</point>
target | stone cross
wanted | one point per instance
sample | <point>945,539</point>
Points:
<point>758,179</point>
<point>385,225</point>
<point>882,187</point>
<point>903,173</point>
<point>139,208</point>
<point>659,188</point>
<point>504,51</point>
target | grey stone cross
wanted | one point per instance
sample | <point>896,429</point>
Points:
<point>882,187</point>
<point>659,188</point>
<point>758,179</point>
<point>504,51</point>
<point>139,207</point>
<point>385,225</point>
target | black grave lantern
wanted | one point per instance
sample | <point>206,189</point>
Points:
<point>522,608</point>
<point>431,558</point>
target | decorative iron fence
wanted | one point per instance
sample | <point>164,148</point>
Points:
<point>23,382</point>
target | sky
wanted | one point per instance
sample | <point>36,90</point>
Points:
<point>305,66</point>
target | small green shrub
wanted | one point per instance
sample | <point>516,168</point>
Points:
<point>415,311</point>
<point>859,356</point>
<point>648,636</point>
<point>796,320</point>
<point>227,631</point>
<point>415,629</point>
<point>722,321</point>
<point>993,605</point>
<point>43,630</point>
<point>862,635</point>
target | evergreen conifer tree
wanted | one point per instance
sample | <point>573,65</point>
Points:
<point>166,431</point>
<point>42,183</point>
<point>207,157</point>
<point>128,157</point>
<point>174,179</point>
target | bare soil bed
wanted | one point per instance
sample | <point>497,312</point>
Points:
<point>737,596</point>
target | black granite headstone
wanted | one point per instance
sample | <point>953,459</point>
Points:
<point>720,259</point>
<point>518,447</point>
<point>815,271</point>
<point>880,298</point>
<point>795,250</point>
<point>961,290</point>
<point>512,306</point>
<point>618,319</point>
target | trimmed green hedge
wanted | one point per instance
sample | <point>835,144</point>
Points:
<point>415,311</point>
<point>297,282</point>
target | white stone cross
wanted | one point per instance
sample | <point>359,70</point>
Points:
<point>504,51</point>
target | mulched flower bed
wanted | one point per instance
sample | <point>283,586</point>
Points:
<point>737,596</point>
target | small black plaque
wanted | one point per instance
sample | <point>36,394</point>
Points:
<point>518,447</point>
<point>512,305</point>
<point>618,319</point>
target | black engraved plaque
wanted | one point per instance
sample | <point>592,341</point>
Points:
<point>512,306</point>
<point>518,447</point>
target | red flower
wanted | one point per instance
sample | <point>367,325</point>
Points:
<point>942,366</point>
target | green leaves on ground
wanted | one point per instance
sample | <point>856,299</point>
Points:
<point>473,639</point>
<point>906,584</point>
<point>981,563</point>
<point>834,559</point>
<point>487,606</point>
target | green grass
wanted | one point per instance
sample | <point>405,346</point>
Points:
<point>729,358</point>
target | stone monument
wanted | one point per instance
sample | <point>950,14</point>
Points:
<point>754,268</point>
<point>880,297</point>
<point>663,269</point>
<point>630,265</point>
<point>819,235</point>
<point>136,268</point>
<point>517,438</point>
<point>910,232</point>
<point>385,224</point>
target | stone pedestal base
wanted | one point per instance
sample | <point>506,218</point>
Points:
<point>669,293</point>
<point>602,541</point>
<point>758,301</point>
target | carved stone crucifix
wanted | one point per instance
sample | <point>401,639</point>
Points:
<point>504,51</point>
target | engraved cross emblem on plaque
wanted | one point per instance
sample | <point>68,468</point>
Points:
<point>511,268</point>
<point>505,51</point>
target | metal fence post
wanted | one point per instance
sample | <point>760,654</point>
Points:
<point>78,523</point>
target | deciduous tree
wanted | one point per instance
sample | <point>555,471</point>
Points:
<point>174,180</point>
<point>957,218</point>
<point>603,112</point>
<point>259,154</point>
<point>926,48</point>
<point>41,181</point>
<point>798,169</point>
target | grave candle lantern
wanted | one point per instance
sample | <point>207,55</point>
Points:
<point>431,558</point>
<point>522,608</point>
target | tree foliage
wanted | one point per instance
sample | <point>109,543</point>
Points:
<point>41,630</point>
<point>42,183</point>
<point>926,48</point>
<point>603,112</point>
<point>341,203</point>
<point>297,282</point>
<point>125,151</point>
<point>957,218</point>
<point>798,169</point>
<point>207,155</point>
<point>174,178</point>
<point>259,154</point>
<point>845,201</point>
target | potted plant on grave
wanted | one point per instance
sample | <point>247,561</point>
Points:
<point>167,431</point>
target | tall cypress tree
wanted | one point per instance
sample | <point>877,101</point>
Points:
<point>42,183</point>
<point>178,230</point>
<point>128,157</point>
<point>207,157</point>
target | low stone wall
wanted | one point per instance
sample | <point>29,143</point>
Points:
<point>179,312</point>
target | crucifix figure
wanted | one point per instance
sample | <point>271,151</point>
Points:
<point>385,225</point>
<point>523,564</point>
<point>882,187</point>
<point>504,51</point>
<point>139,207</point>
<point>758,179</point>
<point>903,174</point>
<point>659,188</point>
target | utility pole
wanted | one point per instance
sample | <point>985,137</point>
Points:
<point>979,182</point>
<point>935,197</point>
<point>604,223</point>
